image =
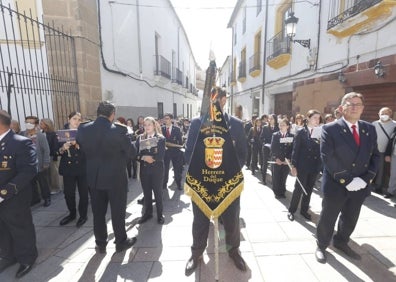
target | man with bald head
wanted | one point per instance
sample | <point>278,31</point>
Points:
<point>18,168</point>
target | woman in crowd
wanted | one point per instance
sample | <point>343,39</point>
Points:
<point>151,151</point>
<point>72,167</point>
<point>266,137</point>
<point>306,164</point>
<point>47,126</point>
<point>298,123</point>
<point>281,149</point>
<point>255,143</point>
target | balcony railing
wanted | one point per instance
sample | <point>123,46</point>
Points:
<point>254,62</point>
<point>242,70</point>
<point>278,45</point>
<point>352,8</point>
<point>177,76</point>
<point>162,67</point>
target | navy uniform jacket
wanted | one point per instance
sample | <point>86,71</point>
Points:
<point>266,134</point>
<point>175,136</point>
<point>237,133</point>
<point>107,148</point>
<point>343,159</point>
<point>158,152</point>
<point>306,152</point>
<point>18,167</point>
<point>281,150</point>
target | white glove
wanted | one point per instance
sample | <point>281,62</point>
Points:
<point>1,199</point>
<point>356,184</point>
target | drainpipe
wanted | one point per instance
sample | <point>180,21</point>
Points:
<point>265,52</point>
<point>139,39</point>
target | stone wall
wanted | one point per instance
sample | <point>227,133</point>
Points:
<point>80,19</point>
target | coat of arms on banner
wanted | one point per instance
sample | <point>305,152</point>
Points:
<point>213,151</point>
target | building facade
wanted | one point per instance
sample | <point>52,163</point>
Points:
<point>147,63</point>
<point>337,47</point>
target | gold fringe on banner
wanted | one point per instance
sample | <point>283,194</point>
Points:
<point>226,195</point>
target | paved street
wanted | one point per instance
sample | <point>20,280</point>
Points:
<point>274,248</point>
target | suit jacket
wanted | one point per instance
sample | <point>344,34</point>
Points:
<point>281,150</point>
<point>106,147</point>
<point>175,137</point>
<point>343,159</point>
<point>306,152</point>
<point>237,133</point>
<point>266,134</point>
<point>18,167</point>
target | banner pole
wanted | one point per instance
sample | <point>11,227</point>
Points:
<point>216,242</point>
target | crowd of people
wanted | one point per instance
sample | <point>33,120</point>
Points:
<point>352,158</point>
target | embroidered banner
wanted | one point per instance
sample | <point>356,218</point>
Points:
<point>214,179</point>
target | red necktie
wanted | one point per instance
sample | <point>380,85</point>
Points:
<point>167,132</point>
<point>355,135</point>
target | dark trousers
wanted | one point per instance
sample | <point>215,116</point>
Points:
<point>151,176</point>
<point>339,201</point>
<point>200,229</point>
<point>381,180</point>
<point>41,180</point>
<point>177,162</point>
<point>132,165</point>
<point>308,180</point>
<point>266,152</point>
<point>17,233</point>
<point>70,183</point>
<point>99,202</point>
<point>279,177</point>
<point>256,156</point>
<point>249,155</point>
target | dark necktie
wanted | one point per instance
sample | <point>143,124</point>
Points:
<point>167,132</point>
<point>355,135</point>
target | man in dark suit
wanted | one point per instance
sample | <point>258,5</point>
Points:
<point>173,141</point>
<point>230,216</point>
<point>350,158</point>
<point>18,168</point>
<point>107,148</point>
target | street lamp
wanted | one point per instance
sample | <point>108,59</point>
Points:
<point>291,25</point>
<point>379,69</point>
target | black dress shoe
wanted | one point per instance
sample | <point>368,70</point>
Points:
<point>67,219</point>
<point>290,216</point>
<point>238,261</point>
<point>129,242</point>
<point>347,250</point>
<point>192,264</point>
<point>81,221</point>
<point>306,215</point>
<point>320,255</point>
<point>5,263</point>
<point>47,202</point>
<point>23,269</point>
<point>161,219</point>
<point>144,218</point>
<point>388,196</point>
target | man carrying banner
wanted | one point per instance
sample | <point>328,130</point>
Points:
<point>216,148</point>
